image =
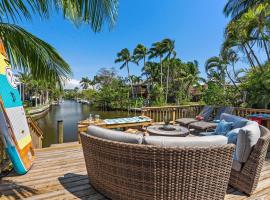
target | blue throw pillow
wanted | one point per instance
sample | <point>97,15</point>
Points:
<point>223,127</point>
<point>232,136</point>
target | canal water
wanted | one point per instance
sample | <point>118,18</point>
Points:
<point>70,112</point>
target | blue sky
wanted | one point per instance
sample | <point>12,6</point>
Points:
<point>196,26</point>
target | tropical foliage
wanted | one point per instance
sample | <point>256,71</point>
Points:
<point>239,75</point>
<point>243,64</point>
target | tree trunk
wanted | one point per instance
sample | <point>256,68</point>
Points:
<point>255,57</point>
<point>235,76</point>
<point>131,82</point>
<point>266,48</point>
<point>229,76</point>
<point>161,72</point>
<point>167,84</point>
<point>248,56</point>
<point>167,81</point>
<point>47,97</point>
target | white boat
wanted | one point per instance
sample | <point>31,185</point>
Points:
<point>84,101</point>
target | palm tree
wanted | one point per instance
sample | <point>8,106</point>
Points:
<point>191,75</point>
<point>140,53</point>
<point>251,28</point>
<point>232,58</point>
<point>85,83</point>
<point>168,46</point>
<point>256,23</point>
<point>124,57</point>
<point>236,8</point>
<point>157,50</point>
<point>24,78</point>
<point>217,70</point>
<point>150,70</point>
<point>29,53</point>
<point>216,66</point>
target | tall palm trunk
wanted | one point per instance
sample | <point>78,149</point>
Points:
<point>229,76</point>
<point>161,72</point>
<point>130,80</point>
<point>147,77</point>
<point>234,73</point>
<point>254,55</point>
<point>265,47</point>
<point>167,81</point>
<point>248,56</point>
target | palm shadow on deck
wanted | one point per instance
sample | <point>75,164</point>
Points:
<point>11,189</point>
<point>79,186</point>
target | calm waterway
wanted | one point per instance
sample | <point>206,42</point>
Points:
<point>70,112</point>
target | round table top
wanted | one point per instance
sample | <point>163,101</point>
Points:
<point>159,130</point>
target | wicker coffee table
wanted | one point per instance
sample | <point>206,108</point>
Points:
<point>173,130</point>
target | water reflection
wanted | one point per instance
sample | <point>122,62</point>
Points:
<point>70,112</point>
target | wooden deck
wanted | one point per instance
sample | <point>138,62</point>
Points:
<point>59,173</point>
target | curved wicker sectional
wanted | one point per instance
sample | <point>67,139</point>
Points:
<point>131,171</point>
<point>247,179</point>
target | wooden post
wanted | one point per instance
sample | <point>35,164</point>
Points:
<point>174,112</point>
<point>60,131</point>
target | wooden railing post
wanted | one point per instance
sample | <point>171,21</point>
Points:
<point>60,131</point>
<point>174,112</point>
<point>143,112</point>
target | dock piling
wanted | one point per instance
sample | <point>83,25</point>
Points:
<point>60,131</point>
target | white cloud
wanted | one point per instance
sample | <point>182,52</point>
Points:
<point>71,84</point>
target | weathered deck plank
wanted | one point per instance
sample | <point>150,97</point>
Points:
<point>59,173</point>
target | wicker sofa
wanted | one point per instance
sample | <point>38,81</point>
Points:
<point>135,169</point>
<point>245,176</point>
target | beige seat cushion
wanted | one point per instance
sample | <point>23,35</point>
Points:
<point>217,140</point>
<point>113,135</point>
<point>247,137</point>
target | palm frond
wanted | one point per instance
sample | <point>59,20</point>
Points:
<point>235,8</point>
<point>92,12</point>
<point>29,53</point>
<point>14,10</point>
<point>95,13</point>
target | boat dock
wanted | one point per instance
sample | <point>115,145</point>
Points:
<point>59,173</point>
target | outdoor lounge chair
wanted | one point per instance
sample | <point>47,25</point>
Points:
<point>250,153</point>
<point>205,114</point>
<point>206,126</point>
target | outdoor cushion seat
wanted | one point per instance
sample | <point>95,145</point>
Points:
<point>248,137</point>
<point>113,135</point>
<point>217,140</point>
<point>248,133</point>
<point>205,114</point>
<point>202,125</point>
<point>185,121</point>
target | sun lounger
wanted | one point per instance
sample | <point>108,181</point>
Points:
<point>206,126</point>
<point>205,114</point>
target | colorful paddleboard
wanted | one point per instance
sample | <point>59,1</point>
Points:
<point>14,128</point>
